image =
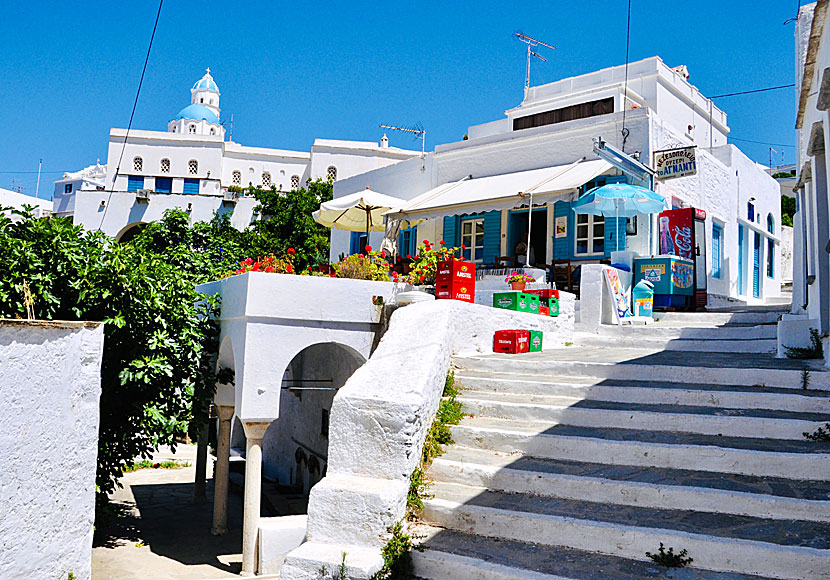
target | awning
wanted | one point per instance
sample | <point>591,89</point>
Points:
<point>505,191</point>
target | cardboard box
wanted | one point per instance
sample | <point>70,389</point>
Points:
<point>535,341</point>
<point>544,310</point>
<point>511,341</point>
<point>544,293</point>
<point>456,270</point>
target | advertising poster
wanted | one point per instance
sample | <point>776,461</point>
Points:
<point>675,227</point>
<point>561,226</point>
<point>617,292</point>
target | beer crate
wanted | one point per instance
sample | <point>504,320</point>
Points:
<point>535,340</point>
<point>455,290</point>
<point>518,301</point>
<point>511,341</point>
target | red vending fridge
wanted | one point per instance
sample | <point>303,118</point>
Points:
<point>683,233</point>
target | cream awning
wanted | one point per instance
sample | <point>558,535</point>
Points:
<point>505,191</point>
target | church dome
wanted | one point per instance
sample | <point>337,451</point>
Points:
<point>197,112</point>
<point>206,83</point>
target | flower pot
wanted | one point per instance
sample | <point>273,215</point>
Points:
<point>518,285</point>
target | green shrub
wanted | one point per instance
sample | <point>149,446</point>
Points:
<point>814,351</point>
<point>669,559</point>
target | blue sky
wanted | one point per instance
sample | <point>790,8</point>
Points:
<point>293,72</point>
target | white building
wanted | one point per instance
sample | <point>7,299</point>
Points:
<point>16,200</point>
<point>811,223</point>
<point>474,183</point>
<point>191,166</point>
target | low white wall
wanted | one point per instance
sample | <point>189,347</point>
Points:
<point>380,418</point>
<point>50,373</point>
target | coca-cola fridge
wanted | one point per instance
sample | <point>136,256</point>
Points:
<point>683,233</point>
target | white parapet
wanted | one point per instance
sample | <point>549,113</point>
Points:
<point>380,418</point>
<point>50,386</point>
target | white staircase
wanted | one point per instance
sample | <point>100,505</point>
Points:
<point>576,462</point>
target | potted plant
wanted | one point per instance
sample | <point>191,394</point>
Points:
<point>518,280</point>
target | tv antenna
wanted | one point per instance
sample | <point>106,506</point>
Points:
<point>417,130</point>
<point>532,44</point>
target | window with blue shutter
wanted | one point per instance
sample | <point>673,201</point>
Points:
<point>717,250</point>
<point>408,242</point>
<point>134,183</point>
<point>164,185</point>
<point>191,186</point>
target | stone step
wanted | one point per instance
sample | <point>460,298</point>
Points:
<point>775,498</point>
<point>779,548</point>
<point>664,366</point>
<point>657,330</point>
<point>451,555</point>
<point>733,345</point>
<point>715,318</point>
<point>650,417</point>
<point>762,457</point>
<point>665,393</point>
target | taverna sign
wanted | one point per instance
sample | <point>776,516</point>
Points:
<point>672,163</point>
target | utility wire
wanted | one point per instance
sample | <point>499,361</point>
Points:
<point>762,142</point>
<point>132,115</point>
<point>625,85</point>
<point>754,91</point>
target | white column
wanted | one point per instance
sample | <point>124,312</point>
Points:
<point>220,472</point>
<point>254,431</point>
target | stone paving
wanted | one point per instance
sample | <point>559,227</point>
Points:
<point>158,533</point>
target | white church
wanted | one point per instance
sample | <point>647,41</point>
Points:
<point>191,166</point>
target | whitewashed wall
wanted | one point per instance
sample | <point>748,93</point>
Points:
<point>50,384</point>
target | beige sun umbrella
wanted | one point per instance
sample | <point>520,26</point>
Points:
<point>358,212</point>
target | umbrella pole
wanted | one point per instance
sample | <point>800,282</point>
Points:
<point>617,207</point>
<point>529,224</point>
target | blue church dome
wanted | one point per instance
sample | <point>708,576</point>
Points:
<point>197,112</point>
<point>206,83</point>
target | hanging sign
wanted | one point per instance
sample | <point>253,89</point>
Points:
<point>675,163</point>
<point>561,226</point>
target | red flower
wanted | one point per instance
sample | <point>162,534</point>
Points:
<point>409,256</point>
<point>291,251</point>
<point>368,248</point>
<point>441,242</point>
<point>269,269</point>
<point>383,254</point>
<point>463,247</point>
<point>422,277</point>
<point>361,255</point>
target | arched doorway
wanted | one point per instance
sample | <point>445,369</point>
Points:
<point>129,232</point>
<point>295,446</point>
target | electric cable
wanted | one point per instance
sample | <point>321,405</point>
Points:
<point>625,84</point>
<point>754,91</point>
<point>132,115</point>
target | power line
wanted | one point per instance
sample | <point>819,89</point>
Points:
<point>625,85</point>
<point>132,115</point>
<point>33,172</point>
<point>754,91</point>
<point>762,142</point>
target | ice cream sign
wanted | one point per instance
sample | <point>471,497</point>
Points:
<point>675,163</point>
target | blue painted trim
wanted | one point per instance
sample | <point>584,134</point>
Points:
<point>191,186</point>
<point>134,183</point>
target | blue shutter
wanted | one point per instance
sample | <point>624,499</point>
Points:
<point>492,236</point>
<point>191,186</point>
<point>717,233</point>
<point>135,183</point>
<point>451,231</point>
<point>563,247</point>
<point>164,185</point>
<point>354,243</point>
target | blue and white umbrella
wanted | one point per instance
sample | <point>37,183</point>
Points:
<point>620,200</point>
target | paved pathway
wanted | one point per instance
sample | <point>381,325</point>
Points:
<point>160,534</point>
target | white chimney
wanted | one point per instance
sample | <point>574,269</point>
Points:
<point>384,141</point>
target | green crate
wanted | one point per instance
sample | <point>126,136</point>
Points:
<point>532,303</point>
<point>535,340</point>
<point>553,304</point>
<point>517,301</point>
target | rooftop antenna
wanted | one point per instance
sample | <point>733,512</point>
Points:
<point>775,151</point>
<point>531,43</point>
<point>418,131</point>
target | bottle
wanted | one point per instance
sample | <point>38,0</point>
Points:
<point>666,243</point>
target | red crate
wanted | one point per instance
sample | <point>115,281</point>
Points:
<point>511,341</point>
<point>455,290</point>
<point>544,311</point>
<point>456,270</point>
<point>544,293</point>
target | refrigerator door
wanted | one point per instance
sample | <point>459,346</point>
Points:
<point>700,256</point>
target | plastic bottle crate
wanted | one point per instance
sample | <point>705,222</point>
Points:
<point>511,341</point>
<point>535,341</point>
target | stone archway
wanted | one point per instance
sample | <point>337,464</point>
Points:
<point>129,232</point>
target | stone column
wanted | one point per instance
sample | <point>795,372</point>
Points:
<point>254,431</point>
<point>220,472</point>
<point>199,484</point>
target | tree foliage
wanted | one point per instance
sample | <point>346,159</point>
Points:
<point>158,331</point>
<point>787,210</point>
<point>287,223</point>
